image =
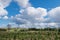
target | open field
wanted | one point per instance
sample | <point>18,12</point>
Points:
<point>20,34</point>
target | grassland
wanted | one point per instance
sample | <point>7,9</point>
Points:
<point>30,34</point>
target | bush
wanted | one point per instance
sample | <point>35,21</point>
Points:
<point>33,29</point>
<point>3,30</point>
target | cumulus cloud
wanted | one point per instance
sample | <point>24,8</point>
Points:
<point>30,16</point>
<point>4,3</point>
<point>54,14</point>
<point>23,3</point>
<point>3,12</point>
<point>36,14</point>
<point>36,17</point>
<point>46,25</point>
<point>5,17</point>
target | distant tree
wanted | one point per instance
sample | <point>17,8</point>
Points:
<point>33,29</point>
<point>9,26</point>
<point>2,29</point>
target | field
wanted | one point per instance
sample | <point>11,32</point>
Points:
<point>30,34</point>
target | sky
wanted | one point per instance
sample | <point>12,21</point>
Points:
<point>30,13</point>
<point>45,3</point>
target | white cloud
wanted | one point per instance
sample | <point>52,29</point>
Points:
<point>23,3</point>
<point>54,14</point>
<point>36,14</point>
<point>13,25</point>
<point>30,16</point>
<point>5,17</point>
<point>3,12</point>
<point>35,11</point>
<point>4,3</point>
<point>39,25</point>
<point>45,25</point>
<point>36,17</point>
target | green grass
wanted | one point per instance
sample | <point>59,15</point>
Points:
<point>30,35</point>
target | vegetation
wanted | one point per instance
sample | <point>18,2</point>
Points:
<point>30,34</point>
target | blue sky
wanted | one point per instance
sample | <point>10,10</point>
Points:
<point>13,8</point>
<point>45,3</point>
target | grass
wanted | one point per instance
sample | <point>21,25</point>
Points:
<point>30,34</point>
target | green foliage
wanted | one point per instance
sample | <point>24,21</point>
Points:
<point>2,29</point>
<point>33,29</point>
<point>31,34</point>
